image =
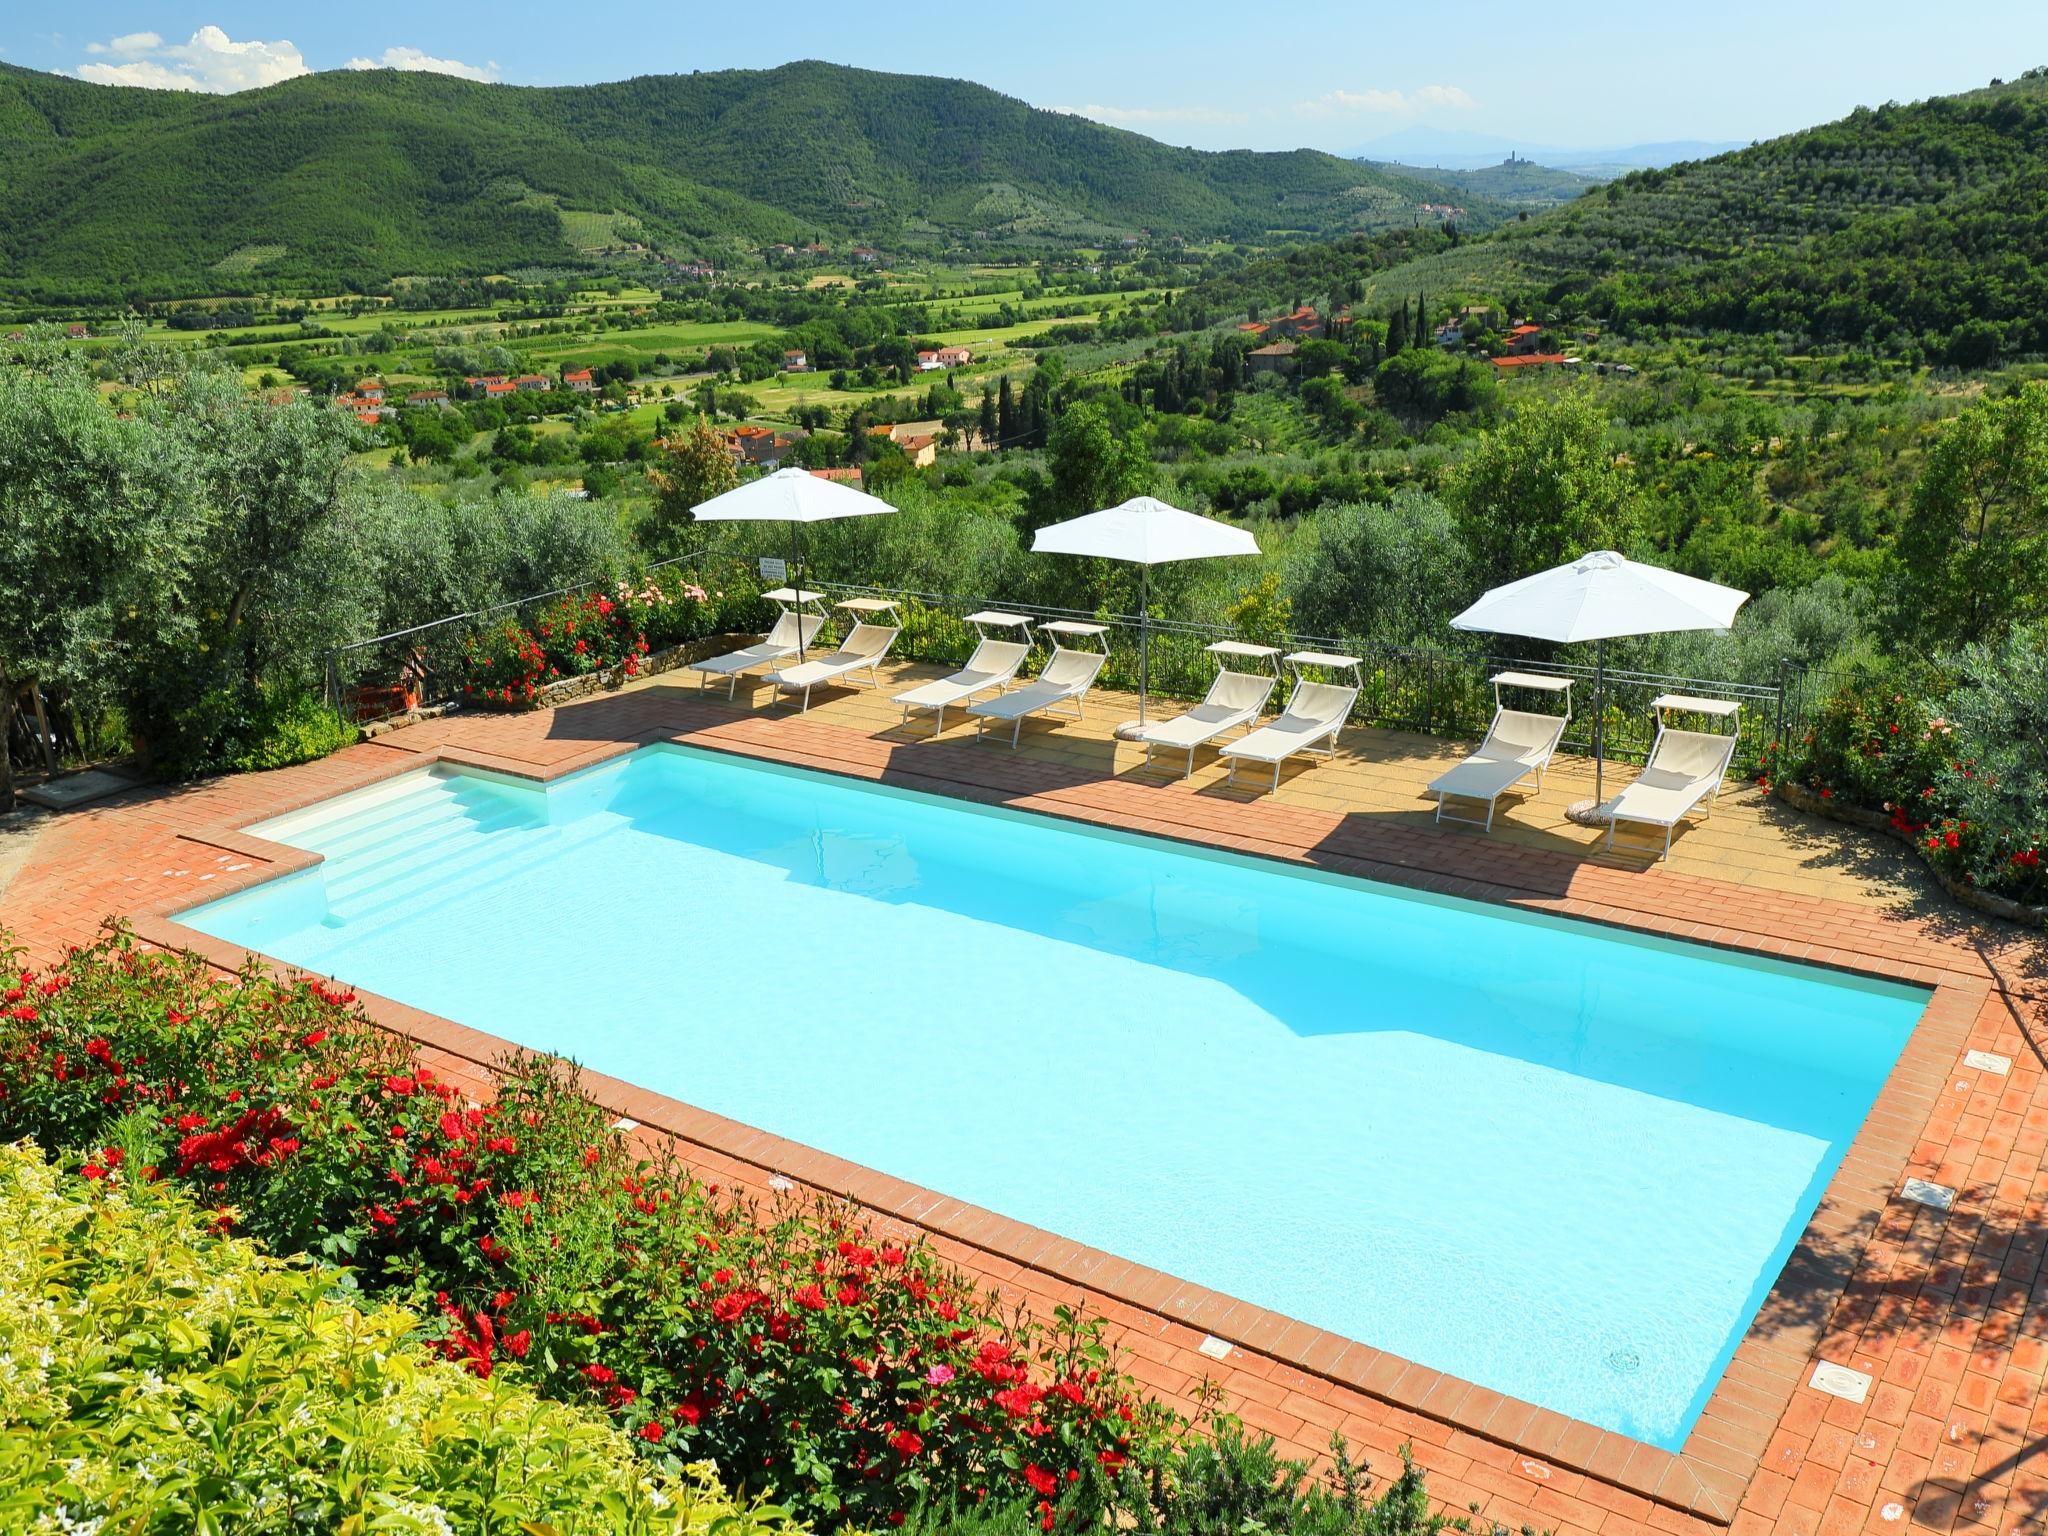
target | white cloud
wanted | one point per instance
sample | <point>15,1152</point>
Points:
<point>128,45</point>
<point>209,60</point>
<point>413,58</point>
<point>1343,103</point>
<point>1130,116</point>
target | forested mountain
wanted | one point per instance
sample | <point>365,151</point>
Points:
<point>362,175</point>
<point>1918,229</point>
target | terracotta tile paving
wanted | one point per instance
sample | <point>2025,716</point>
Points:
<point>1946,1312</point>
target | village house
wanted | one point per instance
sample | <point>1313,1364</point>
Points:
<point>477,385</point>
<point>1253,327</point>
<point>1524,339</point>
<point>495,389</point>
<point>579,379</point>
<point>922,451</point>
<point>866,255</point>
<point>794,361</point>
<point>77,332</point>
<point>927,360</point>
<point>427,397</point>
<point>843,476</point>
<point>1450,334</point>
<point>1275,357</point>
<point>370,389</point>
<point>954,357</point>
<point>1535,360</point>
<point>1303,322</point>
<point>531,383</point>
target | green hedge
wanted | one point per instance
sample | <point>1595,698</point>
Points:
<point>161,1377</point>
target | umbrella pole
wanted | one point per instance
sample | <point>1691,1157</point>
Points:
<point>1599,717</point>
<point>796,565</point>
<point>1144,638</point>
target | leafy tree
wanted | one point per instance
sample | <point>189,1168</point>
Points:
<point>93,530</point>
<point>1543,488</point>
<point>1427,385</point>
<point>1389,572</point>
<point>1974,548</point>
<point>1092,466</point>
<point>694,467</point>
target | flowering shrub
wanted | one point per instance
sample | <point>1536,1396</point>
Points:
<point>508,663</point>
<point>1958,760</point>
<point>163,1378</point>
<point>851,1375</point>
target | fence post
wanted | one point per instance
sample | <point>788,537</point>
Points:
<point>1778,735</point>
<point>333,683</point>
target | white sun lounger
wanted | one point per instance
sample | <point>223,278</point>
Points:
<point>792,631</point>
<point>1519,743</point>
<point>993,665</point>
<point>1234,699</point>
<point>1315,713</point>
<point>1065,678</point>
<point>1685,768</point>
<point>863,648</point>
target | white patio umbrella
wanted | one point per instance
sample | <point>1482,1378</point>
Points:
<point>796,497</point>
<point>1144,532</point>
<point>1600,597</point>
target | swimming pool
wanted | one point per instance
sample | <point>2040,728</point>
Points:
<point>1554,1159</point>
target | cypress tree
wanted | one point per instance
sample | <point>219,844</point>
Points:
<point>1006,415</point>
<point>985,422</point>
<point>1397,329</point>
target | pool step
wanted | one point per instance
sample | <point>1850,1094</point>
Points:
<point>475,862</point>
<point>302,829</point>
<point>430,848</point>
<point>402,821</point>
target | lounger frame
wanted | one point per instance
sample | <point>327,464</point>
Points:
<point>1540,680</point>
<point>1702,789</point>
<point>1070,695</point>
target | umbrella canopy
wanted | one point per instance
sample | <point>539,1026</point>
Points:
<point>1600,597</point>
<point>1144,532</point>
<point>793,496</point>
<point>789,496</point>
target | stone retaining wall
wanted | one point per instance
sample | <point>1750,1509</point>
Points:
<point>1801,798</point>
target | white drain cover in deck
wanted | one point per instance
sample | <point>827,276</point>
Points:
<point>1985,1061</point>
<point>1934,1196</point>
<point>1841,1381</point>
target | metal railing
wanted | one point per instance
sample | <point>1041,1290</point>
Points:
<point>1440,691</point>
<point>1436,691</point>
<point>423,665</point>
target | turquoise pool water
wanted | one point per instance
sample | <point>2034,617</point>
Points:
<point>1554,1160</point>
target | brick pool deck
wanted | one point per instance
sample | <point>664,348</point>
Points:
<point>1945,1311</point>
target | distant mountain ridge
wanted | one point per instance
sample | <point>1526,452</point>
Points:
<point>358,176</point>
<point>1460,149</point>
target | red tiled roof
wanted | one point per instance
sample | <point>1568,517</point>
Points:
<point>852,475</point>
<point>1257,328</point>
<point>1527,358</point>
<point>1524,330</point>
<point>575,375</point>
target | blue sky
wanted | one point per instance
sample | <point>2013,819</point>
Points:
<point>1574,73</point>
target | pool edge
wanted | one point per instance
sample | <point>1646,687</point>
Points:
<point>1707,1477</point>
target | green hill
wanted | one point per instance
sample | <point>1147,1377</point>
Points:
<point>1514,183</point>
<point>1918,229</point>
<point>357,176</point>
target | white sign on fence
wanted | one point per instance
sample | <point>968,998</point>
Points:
<point>774,570</point>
